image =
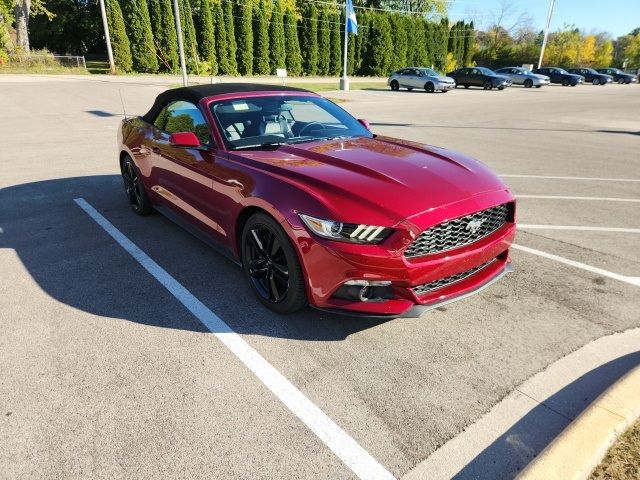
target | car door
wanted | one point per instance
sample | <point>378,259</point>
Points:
<point>475,77</point>
<point>404,77</point>
<point>412,78</point>
<point>556,76</point>
<point>184,175</point>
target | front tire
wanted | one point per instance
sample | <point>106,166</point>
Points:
<point>134,188</point>
<point>271,265</point>
<point>429,88</point>
<point>487,85</point>
<point>621,81</point>
<point>395,86</point>
<point>528,83</point>
<point>565,82</point>
<point>596,81</point>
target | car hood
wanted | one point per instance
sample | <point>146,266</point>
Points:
<point>445,79</point>
<point>502,76</point>
<point>380,180</point>
<point>539,75</point>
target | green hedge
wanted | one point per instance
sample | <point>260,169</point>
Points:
<point>257,36</point>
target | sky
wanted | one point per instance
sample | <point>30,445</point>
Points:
<point>618,17</point>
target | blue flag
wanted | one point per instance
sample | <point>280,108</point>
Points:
<point>352,23</point>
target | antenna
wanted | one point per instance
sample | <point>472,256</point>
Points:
<point>124,111</point>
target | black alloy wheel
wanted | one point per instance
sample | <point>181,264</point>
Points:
<point>487,85</point>
<point>134,188</point>
<point>271,265</point>
<point>596,81</point>
<point>395,86</point>
<point>429,87</point>
<point>528,83</point>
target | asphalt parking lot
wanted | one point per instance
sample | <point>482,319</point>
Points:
<point>106,374</point>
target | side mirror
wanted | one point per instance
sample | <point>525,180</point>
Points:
<point>365,123</point>
<point>184,139</point>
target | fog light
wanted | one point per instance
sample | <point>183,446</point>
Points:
<point>365,290</point>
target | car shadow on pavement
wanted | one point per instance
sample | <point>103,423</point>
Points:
<point>519,445</point>
<point>74,261</point>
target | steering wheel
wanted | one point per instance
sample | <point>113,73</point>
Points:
<point>322,126</point>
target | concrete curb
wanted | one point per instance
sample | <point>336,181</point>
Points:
<point>580,447</point>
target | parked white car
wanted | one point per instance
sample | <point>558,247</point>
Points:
<point>421,78</point>
<point>524,77</point>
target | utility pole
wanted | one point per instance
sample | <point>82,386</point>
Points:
<point>344,81</point>
<point>107,37</point>
<point>183,66</point>
<point>546,32</point>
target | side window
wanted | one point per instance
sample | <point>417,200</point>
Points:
<point>183,116</point>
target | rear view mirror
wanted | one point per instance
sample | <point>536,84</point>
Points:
<point>184,139</point>
<point>365,123</point>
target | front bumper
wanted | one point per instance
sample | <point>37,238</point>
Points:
<point>445,86</point>
<point>328,265</point>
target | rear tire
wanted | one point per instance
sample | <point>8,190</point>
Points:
<point>466,86</point>
<point>565,82</point>
<point>528,83</point>
<point>395,86</point>
<point>621,81</point>
<point>487,85</point>
<point>134,188</point>
<point>271,265</point>
<point>429,88</point>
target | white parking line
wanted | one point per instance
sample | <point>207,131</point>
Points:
<point>563,197</point>
<point>599,271</point>
<point>579,228</point>
<point>340,443</point>
<point>553,177</point>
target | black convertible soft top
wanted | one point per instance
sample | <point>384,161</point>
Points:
<point>197,92</point>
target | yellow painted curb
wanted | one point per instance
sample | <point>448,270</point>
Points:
<point>580,447</point>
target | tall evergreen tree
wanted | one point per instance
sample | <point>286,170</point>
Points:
<point>230,44</point>
<point>244,27</point>
<point>163,23</point>
<point>361,44</point>
<point>441,35</point>
<point>468,45</point>
<point>293,56</point>
<point>276,34</point>
<point>380,49</point>
<point>138,26</point>
<point>324,41</point>
<point>261,64</point>
<point>119,40</point>
<point>310,39</point>
<point>205,34</point>
<point>400,41</point>
<point>222,52</point>
<point>335,65</point>
<point>188,35</point>
<point>418,50</point>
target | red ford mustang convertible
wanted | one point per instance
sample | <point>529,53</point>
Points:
<point>317,209</point>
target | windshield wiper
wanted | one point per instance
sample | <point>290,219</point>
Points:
<point>261,145</point>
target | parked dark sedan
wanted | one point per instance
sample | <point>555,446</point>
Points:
<point>618,75</point>
<point>558,75</point>
<point>479,77</point>
<point>591,76</point>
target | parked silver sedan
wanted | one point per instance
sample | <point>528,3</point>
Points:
<point>522,76</point>
<point>422,78</point>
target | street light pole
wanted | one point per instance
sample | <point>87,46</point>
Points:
<point>546,32</point>
<point>107,37</point>
<point>183,66</point>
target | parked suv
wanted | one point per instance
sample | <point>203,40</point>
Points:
<point>591,76</point>
<point>558,75</point>
<point>479,77</point>
<point>420,77</point>
<point>618,75</point>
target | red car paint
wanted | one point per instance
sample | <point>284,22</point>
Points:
<point>380,181</point>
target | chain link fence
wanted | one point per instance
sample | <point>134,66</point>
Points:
<point>29,60</point>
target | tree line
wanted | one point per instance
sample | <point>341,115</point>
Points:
<point>254,37</point>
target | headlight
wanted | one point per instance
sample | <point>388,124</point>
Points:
<point>345,232</point>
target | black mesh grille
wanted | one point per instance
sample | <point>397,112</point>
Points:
<point>443,282</point>
<point>459,232</point>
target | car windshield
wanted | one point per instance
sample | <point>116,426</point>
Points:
<point>486,71</point>
<point>428,71</point>
<point>269,121</point>
<point>590,70</point>
<point>561,70</point>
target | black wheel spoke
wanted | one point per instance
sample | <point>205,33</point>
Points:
<point>281,269</point>
<point>273,288</point>
<point>255,238</point>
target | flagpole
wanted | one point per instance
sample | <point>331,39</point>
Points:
<point>344,80</point>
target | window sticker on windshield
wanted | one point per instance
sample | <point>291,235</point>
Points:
<point>238,106</point>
